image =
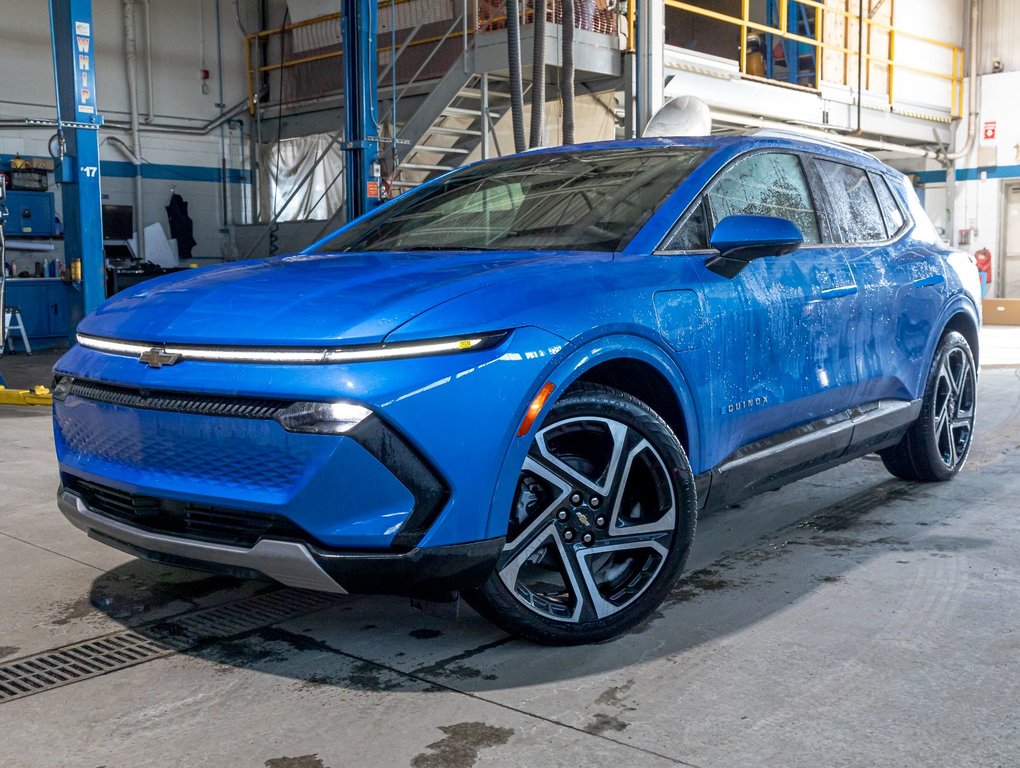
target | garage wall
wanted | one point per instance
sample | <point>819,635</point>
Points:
<point>982,175</point>
<point>184,42</point>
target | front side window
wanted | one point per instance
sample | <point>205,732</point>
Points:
<point>587,200</point>
<point>853,208</point>
<point>762,184</point>
<point>765,184</point>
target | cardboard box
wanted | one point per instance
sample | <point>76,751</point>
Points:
<point>1001,311</point>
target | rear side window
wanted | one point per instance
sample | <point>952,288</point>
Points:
<point>765,184</point>
<point>854,212</point>
<point>894,218</point>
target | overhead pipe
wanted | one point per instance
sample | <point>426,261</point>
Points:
<point>513,52</point>
<point>860,62</point>
<point>151,92</point>
<point>946,158</point>
<point>538,78</point>
<point>567,65</point>
<point>131,62</point>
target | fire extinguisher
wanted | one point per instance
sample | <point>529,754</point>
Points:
<point>983,257</point>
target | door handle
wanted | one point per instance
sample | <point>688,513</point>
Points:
<point>837,292</point>
<point>922,282</point>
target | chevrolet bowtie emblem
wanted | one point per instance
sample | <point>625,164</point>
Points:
<point>157,358</point>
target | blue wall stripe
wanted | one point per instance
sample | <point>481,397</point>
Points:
<point>969,174</point>
<point>124,170</point>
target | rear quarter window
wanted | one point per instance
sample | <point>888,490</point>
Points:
<point>894,218</point>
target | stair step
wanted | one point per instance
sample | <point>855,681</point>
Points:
<point>453,131</point>
<point>437,150</point>
<point>476,93</point>
<point>460,112</point>
<point>423,167</point>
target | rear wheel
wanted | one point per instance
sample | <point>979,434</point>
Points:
<point>601,523</point>
<point>938,443</point>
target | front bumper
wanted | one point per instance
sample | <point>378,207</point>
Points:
<point>424,474</point>
<point>299,564</point>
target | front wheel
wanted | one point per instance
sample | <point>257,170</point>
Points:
<point>601,523</point>
<point>938,443</point>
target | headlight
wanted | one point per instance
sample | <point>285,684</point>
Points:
<point>158,355</point>
<point>323,418</point>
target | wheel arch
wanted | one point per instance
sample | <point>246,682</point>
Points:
<point>644,381</point>
<point>966,325</point>
<point>630,363</point>
<point>960,315</point>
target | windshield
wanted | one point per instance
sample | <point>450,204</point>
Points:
<point>578,200</point>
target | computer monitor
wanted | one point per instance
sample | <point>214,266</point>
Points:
<point>118,222</point>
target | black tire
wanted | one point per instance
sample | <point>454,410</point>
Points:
<point>601,524</point>
<point>936,446</point>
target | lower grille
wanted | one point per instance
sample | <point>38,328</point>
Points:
<point>179,402</point>
<point>219,525</point>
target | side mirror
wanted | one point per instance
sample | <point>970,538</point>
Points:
<point>741,239</point>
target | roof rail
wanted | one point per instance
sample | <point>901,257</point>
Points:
<point>794,134</point>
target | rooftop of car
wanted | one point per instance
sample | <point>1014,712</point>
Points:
<point>763,139</point>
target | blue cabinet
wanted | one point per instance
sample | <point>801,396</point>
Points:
<point>30,214</point>
<point>50,309</point>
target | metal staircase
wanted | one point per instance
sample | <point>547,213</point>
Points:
<point>452,122</point>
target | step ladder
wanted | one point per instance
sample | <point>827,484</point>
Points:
<point>13,322</point>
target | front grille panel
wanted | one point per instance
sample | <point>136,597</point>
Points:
<point>225,456</point>
<point>219,525</point>
<point>180,402</point>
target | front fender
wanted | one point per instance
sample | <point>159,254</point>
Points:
<point>566,371</point>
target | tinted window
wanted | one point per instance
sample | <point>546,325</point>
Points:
<point>853,209</point>
<point>587,200</point>
<point>765,184</point>
<point>894,218</point>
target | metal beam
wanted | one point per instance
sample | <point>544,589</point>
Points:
<point>651,29</point>
<point>361,125</point>
<point>78,174</point>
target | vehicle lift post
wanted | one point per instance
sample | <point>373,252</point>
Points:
<point>78,170</point>
<point>361,97</point>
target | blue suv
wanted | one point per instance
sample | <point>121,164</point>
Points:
<point>524,380</point>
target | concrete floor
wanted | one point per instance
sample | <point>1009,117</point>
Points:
<point>847,620</point>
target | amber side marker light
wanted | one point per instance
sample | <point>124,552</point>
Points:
<point>535,408</point>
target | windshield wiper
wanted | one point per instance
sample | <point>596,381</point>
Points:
<point>413,248</point>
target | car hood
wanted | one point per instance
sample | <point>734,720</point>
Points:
<point>351,298</point>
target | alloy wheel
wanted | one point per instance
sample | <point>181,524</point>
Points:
<point>592,523</point>
<point>954,407</point>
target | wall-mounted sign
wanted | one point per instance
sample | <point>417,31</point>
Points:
<point>988,134</point>
<point>86,97</point>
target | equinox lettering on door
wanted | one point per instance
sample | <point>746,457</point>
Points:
<point>742,404</point>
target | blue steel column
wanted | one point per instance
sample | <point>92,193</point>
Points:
<point>361,148</point>
<point>74,45</point>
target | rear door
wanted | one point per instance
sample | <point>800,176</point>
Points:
<point>901,280</point>
<point>781,340</point>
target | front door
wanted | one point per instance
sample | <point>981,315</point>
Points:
<point>781,331</point>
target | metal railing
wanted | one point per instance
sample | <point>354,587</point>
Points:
<point>953,73</point>
<point>472,18</point>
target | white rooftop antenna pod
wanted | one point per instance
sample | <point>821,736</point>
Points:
<point>682,116</point>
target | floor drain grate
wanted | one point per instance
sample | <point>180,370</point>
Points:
<point>72,663</point>
<point>91,658</point>
<point>243,616</point>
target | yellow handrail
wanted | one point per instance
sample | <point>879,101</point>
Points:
<point>954,77</point>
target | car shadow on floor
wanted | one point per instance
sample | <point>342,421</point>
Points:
<point>749,563</point>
